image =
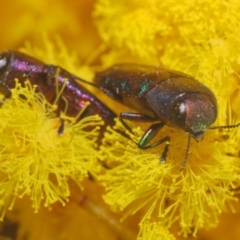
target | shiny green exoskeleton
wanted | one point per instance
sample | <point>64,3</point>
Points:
<point>163,96</point>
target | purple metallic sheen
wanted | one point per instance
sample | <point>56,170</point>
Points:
<point>25,66</point>
<point>22,67</point>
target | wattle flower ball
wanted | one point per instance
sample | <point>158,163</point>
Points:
<point>64,177</point>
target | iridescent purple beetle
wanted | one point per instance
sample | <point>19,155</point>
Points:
<point>14,64</point>
<point>163,96</point>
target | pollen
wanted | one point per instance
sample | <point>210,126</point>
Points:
<point>154,230</point>
<point>139,182</point>
<point>35,160</point>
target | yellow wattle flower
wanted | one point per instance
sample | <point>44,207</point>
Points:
<point>194,197</point>
<point>192,38</point>
<point>200,38</point>
<point>36,160</point>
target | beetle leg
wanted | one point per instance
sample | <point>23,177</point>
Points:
<point>8,93</point>
<point>149,135</point>
<point>61,127</point>
<point>138,117</point>
<point>132,116</point>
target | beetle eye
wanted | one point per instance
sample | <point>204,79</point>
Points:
<point>3,64</point>
<point>5,58</point>
<point>179,115</point>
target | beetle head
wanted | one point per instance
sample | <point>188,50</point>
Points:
<point>194,113</point>
<point>5,59</point>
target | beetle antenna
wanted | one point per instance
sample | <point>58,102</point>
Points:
<point>186,154</point>
<point>228,126</point>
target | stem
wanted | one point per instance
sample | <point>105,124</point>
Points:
<point>108,218</point>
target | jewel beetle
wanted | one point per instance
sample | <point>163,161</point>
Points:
<point>17,65</point>
<point>162,96</point>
